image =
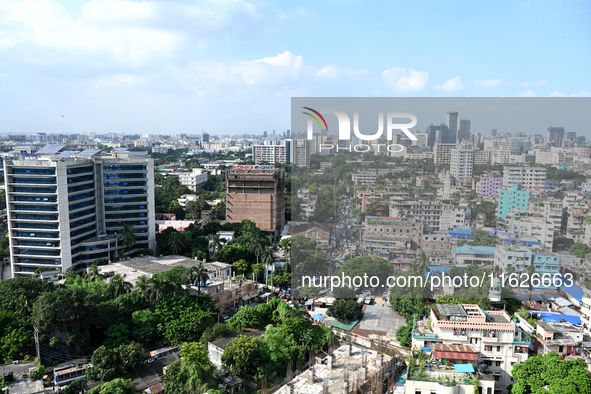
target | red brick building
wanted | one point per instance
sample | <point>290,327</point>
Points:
<point>256,193</point>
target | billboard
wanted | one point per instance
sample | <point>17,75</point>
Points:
<point>254,167</point>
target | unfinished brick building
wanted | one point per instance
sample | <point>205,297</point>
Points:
<point>256,193</point>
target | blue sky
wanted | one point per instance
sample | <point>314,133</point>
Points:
<point>231,66</point>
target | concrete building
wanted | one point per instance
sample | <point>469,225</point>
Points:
<point>258,195</point>
<point>469,334</point>
<point>428,211</point>
<point>501,155</point>
<point>534,224</point>
<point>550,158</point>
<point>466,255</point>
<point>461,164</point>
<point>512,199</point>
<point>556,337</point>
<point>464,130</point>
<point>391,233</point>
<point>483,156</point>
<point>488,185</point>
<point>442,153</point>
<point>521,257</point>
<point>453,216</point>
<point>269,154</point>
<point>66,209</point>
<point>555,136</point>
<point>529,178</point>
<point>300,152</point>
<point>194,180</point>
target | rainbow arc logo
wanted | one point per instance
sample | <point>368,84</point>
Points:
<point>315,118</point>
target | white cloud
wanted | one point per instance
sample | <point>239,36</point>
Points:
<point>451,85</point>
<point>543,82</point>
<point>328,72</point>
<point>400,80</point>
<point>487,83</point>
<point>119,80</point>
<point>527,93</point>
<point>103,31</point>
<point>557,94</point>
<point>560,94</point>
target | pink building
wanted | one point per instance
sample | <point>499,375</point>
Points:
<point>490,185</point>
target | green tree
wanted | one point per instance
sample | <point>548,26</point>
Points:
<point>116,335</point>
<point>404,334</point>
<point>194,353</point>
<point>109,364</point>
<point>285,246</point>
<point>13,289</point>
<point>199,276</point>
<point>549,373</point>
<point>580,250</point>
<point>345,310</point>
<point>176,243</point>
<point>481,238</point>
<point>128,236</point>
<point>118,286</point>
<point>38,373</point>
<point>115,386</point>
<point>243,355</point>
<point>241,266</point>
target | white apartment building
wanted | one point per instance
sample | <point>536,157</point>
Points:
<point>501,155</point>
<point>194,180</point>
<point>66,209</point>
<point>163,148</point>
<point>466,332</point>
<point>550,158</point>
<point>269,153</point>
<point>483,156</point>
<point>529,178</point>
<point>428,211</point>
<point>300,152</point>
<point>461,164</point>
<point>551,210</point>
<point>453,216</point>
<point>532,224</point>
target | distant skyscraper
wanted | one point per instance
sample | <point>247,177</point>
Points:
<point>300,152</point>
<point>452,123</point>
<point>431,132</point>
<point>204,137</point>
<point>264,134</point>
<point>555,136</point>
<point>493,132</point>
<point>464,131</point>
<point>288,133</point>
<point>571,136</point>
<point>447,136</point>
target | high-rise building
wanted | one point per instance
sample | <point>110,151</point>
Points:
<point>257,195</point>
<point>446,135</point>
<point>461,164</point>
<point>555,136</point>
<point>452,123</point>
<point>431,132</point>
<point>300,152</point>
<point>571,136</point>
<point>288,133</point>
<point>269,153</point>
<point>442,153</point>
<point>205,137</point>
<point>464,129</point>
<point>67,209</point>
<point>194,180</point>
<point>493,132</point>
<point>264,134</point>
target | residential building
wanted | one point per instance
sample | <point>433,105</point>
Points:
<point>453,216</point>
<point>258,195</point>
<point>163,148</point>
<point>534,224</point>
<point>428,211</point>
<point>550,158</point>
<point>529,178</point>
<point>461,164</point>
<point>512,199</point>
<point>228,293</point>
<point>556,337</point>
<point>442,153</point>
<point>501,155</point>
<point>436,242</point>
<point>194,180</point>
<point>391,233</point>
<point>466,255</point>
<point>521,257</point>
<point>270,154</point>
<point>321,233</point>
<point>488,185</point>
<point>300,152</point>
<point>551,210</point>
<point>66,209</point>
<point>483,156</point>
<point>469,334</point>
<point>576,224</point>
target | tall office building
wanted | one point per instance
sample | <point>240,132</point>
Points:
<point>446,135</point>
<point>431,132</point>
<point>300,152</point>
<point>205,137</point>
<point>264,134</point>
<point>452,123</point>
<point>464,129</point>
<point>461,164</point>
<point>493,132</point>
<point>67,209</point>
<point>555,136</point>
<point>257,195</point>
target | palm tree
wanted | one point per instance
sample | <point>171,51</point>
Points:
<point>285,246</point>
<point>92,273</point>
<point>22,305</point>
<point>257,247</point>
<point>158,288</point>
<point>199,275</point>
<point>141,286</point>
<point>127,236</point>
<point>176,243</point>
<point>217,242</point>
<point>118,286</point>
<point>267,259</point>
<point>421,263</point>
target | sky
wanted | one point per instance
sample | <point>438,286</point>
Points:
<point>232,66</point>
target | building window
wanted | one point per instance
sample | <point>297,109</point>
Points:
<point>488,348</point>
<point>498,348</point>
<point>560,349</point>
<point>217,300</point>
<point>237,293</point>
<point>497,378</point>
<point>497,363</point>
<point>229,295</point>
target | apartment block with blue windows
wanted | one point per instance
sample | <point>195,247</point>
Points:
<point>512,199</point>
<point>521,257</point>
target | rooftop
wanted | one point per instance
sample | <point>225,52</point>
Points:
<point>478,250</point>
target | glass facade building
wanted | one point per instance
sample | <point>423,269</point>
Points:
<point>67,209</point>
